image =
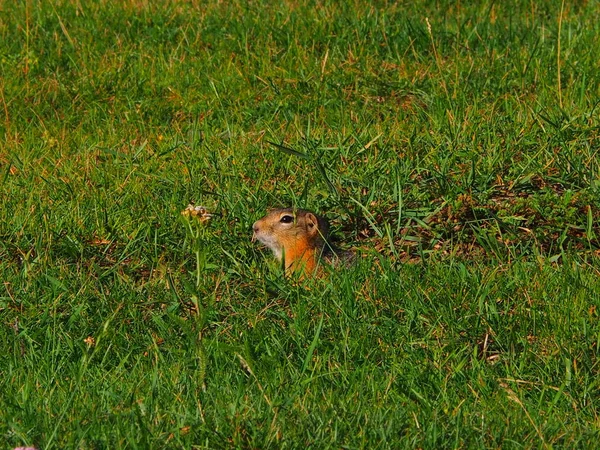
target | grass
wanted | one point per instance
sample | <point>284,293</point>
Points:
<point>455,146</point>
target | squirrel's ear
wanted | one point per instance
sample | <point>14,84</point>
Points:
<point>312,223</point>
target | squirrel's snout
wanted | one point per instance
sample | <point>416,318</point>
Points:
<point>255,230</point>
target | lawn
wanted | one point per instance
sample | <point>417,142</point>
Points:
<point>453,145</point>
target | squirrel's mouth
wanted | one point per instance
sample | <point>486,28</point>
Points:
<point>263,239</point>
<point>269,242</point>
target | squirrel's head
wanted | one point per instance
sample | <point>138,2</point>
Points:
<point>291,231</point>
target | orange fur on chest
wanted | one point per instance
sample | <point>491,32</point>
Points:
<point>299,256</point>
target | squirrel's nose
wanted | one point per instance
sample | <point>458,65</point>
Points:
<point>255,229</point>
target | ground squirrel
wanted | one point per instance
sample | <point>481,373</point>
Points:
<point>298,238</point>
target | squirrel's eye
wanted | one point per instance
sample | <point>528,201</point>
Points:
<point>286,219</point>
